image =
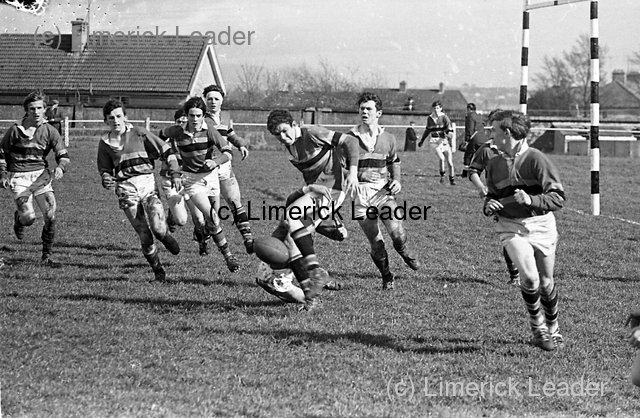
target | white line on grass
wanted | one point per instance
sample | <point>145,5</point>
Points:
<point>605,216</point>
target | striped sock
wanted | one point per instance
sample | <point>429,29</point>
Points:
<point>532,302</point>
<point>513,270</point>
<point>241,220</point>
<point>221,241</point>
<point>550,305</point>
<point>304,242</point>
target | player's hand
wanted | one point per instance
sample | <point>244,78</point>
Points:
<point>633,320</point>
<point>420,143</point>
<point>491,207</point>
<point>351,183</point>
<point>319,189</point>
<point>522,197</point>
<point>394,187</point>
<point>210,165</point>
<point>108,181</point>
<point>370,176</point>
<point>244,151</point>
<point>4,180</point>
<point>176,183</point>
<point>634,338</point>
<point>58,173</point>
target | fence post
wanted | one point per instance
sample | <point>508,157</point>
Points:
<point>147,123</point>
<point>454,148</point>
<point>66,131</point>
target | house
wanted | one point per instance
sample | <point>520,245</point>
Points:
<point>152,75</point>
<point>621,97</point>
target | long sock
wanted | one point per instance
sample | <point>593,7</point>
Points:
<point>513,270</point>
<point>298,268</point>
<point>304,242</point>
<point>550,305</point>
<point>154,260</point>
<point>48,235</point>
<point>532,302</point>
<point>380,258</point>
<point>221,242</point>
<point>241,220</point>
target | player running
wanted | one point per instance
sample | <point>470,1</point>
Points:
<point>379,181</point>
<point>24,170</point>
<point>523,191</point>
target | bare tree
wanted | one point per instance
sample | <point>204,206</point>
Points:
<point>250,83</point>
<point>565,81</point>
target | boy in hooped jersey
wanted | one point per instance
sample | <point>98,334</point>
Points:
<point>316,152</point>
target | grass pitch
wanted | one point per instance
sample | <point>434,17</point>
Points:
<point>94,338</point>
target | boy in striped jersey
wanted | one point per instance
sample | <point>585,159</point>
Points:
<point>440,133</point>
<point>523,191</point>
<point>125,161</point>
<point>379,181</point>
<point>230,190</point>
<point>196,144</point>
<point>24,170</point>
<point>315,152</point>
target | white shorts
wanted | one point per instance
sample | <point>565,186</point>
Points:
<point>367,196</point>
<point>136,190</point>
<point>439,144</point>
<point>30,183</point>
<point>225,171</point>
<point>170,191</point>
<point>201,183</point>
<point>538,231</point>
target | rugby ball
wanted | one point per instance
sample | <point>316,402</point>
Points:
<point>272,251</point>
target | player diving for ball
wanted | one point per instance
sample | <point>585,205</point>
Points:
<point>317,153</point>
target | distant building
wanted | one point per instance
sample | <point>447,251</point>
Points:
<point>84,70</point>
<point>621,97</point>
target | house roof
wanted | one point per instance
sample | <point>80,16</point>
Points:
<point>392,99</point>
<point>617,95</point>
<point>395,99</point>
<point>342,100</point>
<point>164,64</point>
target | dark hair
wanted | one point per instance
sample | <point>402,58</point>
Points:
<point>195,102</point>
<point>34,96</point>
<point>436,103</point>
<point>367,96</point>
<point>471,107</point>
<point>276,117</point>
<point>110,106</point>
<point>516,122</point>
<point>179,113</point>
<point>211,88</point>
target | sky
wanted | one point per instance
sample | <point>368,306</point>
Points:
<point>424,42</point>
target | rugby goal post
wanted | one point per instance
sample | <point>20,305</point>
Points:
<point>594,107</point>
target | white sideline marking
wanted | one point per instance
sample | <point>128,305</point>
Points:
<point>616,218</point>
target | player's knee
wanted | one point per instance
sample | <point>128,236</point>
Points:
<point>27,219</point>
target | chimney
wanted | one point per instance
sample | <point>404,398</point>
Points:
<point>618,75</point>
<point>441,88</point>
<point>79,35</point>
<point>403,87</point>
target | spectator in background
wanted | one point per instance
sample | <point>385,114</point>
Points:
<point>410,138</point>
<point>440,133</point>
<point>474,136</point>
<point>53,116</point>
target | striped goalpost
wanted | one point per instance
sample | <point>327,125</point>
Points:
<point>595,81</point>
